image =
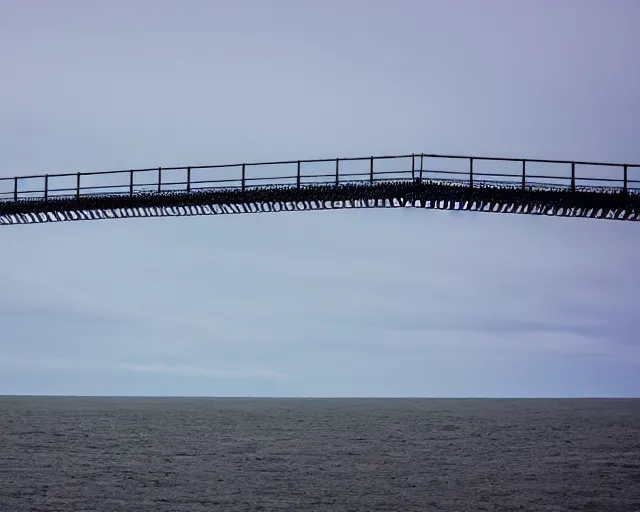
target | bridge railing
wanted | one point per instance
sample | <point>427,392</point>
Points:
<point>466,170</point>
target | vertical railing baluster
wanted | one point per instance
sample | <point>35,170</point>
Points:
<point>413,167</point>
<point>625,178</point>
<point>46,187</point>
<point>298,176</point>
<point>337,172</point>
<point>15,188</point>
<point>131,182</point>
<point>524,180</point>
<point>188,179</point>
<point>78,185</point>
<point>159,179</point>
<point>421,159</point>
<point>573,176</point>
<point>244,176</point>
<point>471,172</point>
<point>371,171</point>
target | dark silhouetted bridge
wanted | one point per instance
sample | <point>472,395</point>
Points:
<point>505,185</point>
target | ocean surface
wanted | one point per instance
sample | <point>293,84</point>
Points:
<point>197,454</point>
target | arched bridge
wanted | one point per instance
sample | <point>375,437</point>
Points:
<point>505,185</point>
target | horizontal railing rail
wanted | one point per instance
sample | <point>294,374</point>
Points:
<point>565,174</point>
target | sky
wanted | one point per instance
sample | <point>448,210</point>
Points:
<point>402,302</point>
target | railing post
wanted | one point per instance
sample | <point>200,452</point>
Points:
<point>15,188</point>
<point>337,172</point>
<point>78,186</point>
<point>371,171</point>
<point>625,178</point>
<point>524,180</point>
<point>46,187</point>
<point>471,172</point>
<point>131,182</point>
<point>421,159</point>
<point>298,176</point>
<point>244,176</point>
<point>573,176</point>
<point>159,179</point>
<point>413,167</point>
<point>188,179</point>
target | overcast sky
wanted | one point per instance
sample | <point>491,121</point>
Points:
<point>351,303</point>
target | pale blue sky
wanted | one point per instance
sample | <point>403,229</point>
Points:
<point>350,303</point>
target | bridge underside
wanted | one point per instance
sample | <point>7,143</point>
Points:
<point>592,203</point>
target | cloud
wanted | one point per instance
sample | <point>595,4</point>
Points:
<point>200,371</point>
<point>96,365</point>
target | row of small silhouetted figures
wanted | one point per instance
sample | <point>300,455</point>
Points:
<point>403,191</point>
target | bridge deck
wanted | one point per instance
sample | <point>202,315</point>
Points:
<point>507,185</point>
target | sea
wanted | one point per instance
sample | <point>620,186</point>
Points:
<point>245,454</point>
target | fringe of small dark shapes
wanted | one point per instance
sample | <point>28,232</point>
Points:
<point>483,196</point>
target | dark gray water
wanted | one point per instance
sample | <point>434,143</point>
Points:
<point>174,454</point>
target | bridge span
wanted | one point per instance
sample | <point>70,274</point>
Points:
<point>451,182</point>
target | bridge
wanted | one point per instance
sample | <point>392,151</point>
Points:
<point>450,182</point>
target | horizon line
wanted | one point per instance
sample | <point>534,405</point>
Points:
<point>287,397</point>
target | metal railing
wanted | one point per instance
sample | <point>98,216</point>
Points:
<point>472,171</point>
